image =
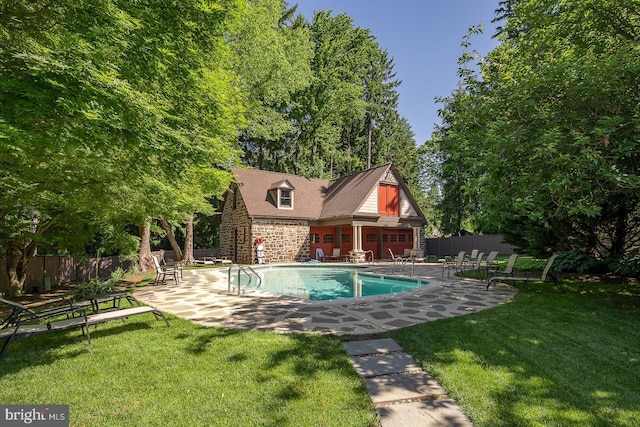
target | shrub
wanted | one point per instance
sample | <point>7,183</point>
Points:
<point>576,261</point>
<point>627,266</point>
<point>97,287</point>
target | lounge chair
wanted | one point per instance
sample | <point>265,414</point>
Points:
<point>508,270</point>
<point>456,265</point>
<point>25,322</point>
<point>20,312</point>
<point>546,274</point>
<point>209,260</point>
<point>162,272</point>
<point>112,301</point>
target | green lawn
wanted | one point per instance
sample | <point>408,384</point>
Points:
<point>144,374</point>
<point>544,359</point>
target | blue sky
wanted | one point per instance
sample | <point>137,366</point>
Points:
<point>423,37</point>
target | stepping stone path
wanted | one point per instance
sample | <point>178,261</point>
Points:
<point>402,393</point>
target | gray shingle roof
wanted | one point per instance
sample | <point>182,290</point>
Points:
<point>347,194</point>
<point>308,196</point>
<point>313,198</point>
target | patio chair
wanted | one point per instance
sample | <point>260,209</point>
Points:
<point>456,265</point>
<point>29,324</point>
<point>162,272</point>
<point>491,258</point>
<point>546,274</point>
<point>336,254</point>
<point>178,265</point>
<point>477,265</point>
<point>508,270</point>
<point>471,259</point>
<point>488,263</point>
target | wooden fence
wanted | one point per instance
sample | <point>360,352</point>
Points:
<point>452,245</point>
<point>45,271</point>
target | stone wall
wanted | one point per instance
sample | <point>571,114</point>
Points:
<point>284,240</point>
<point>235,220</point>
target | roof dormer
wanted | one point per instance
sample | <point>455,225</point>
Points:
<point>282,194</point>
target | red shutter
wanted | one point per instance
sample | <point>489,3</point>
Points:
<point>382,199</point>
<point>393,201</point>
<point>388,200</point>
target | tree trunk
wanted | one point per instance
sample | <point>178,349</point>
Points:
<point>18,257</point>
<point>369,145</point>
<point>187,257</point>
<point>16,281</point>
<point>145,261</point>
<point>172,239</point>
<point>620,229</point>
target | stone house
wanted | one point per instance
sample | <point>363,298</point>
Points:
<point>291,217</point>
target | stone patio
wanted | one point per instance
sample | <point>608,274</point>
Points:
<point>202,298</point>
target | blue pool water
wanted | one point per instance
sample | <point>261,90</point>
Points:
<point>320,282</point>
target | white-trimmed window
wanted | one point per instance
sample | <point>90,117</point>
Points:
<point>282,194</point>
<point>286,199</point>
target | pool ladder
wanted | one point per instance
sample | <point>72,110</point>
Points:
<point>242,269</point>
<point>371,262</point>
<point>402,263</point>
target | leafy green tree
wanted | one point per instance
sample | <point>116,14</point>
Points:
<point>454,148</point>
<point>273,60</point>
<point>346,118</point>
<point>111,111</point>
<point>547,133</point>
<point>333,98</point>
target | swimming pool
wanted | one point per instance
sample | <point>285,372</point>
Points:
<point>321,283</point>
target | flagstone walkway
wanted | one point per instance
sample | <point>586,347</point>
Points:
<point>402,393</point>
